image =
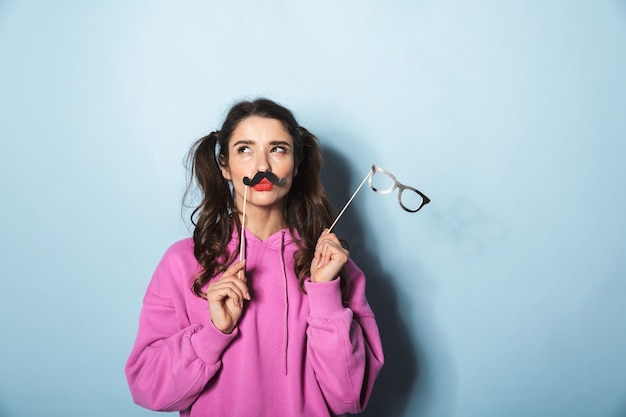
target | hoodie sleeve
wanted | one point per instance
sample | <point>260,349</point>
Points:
<point>172,360</point>
<point>344,344</point>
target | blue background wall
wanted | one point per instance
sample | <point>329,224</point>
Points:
<point>504,297</point>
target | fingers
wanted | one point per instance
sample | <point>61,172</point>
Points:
<point>231,285</point>
<point>237,269</point>
<point>228,289</point>
<point>226,297</point>
<point>329,249</point>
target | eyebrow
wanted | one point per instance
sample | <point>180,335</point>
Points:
<point>280,142</point>
<point>251,142</point>
<point>243,142</point>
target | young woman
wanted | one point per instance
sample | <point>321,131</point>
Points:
<point>268,319</point>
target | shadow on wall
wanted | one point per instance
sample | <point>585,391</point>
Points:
<point>621,412</point>
<point>395,384</point>
<point>3,412</point>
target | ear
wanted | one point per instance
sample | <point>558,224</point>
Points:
<point>224,168</point>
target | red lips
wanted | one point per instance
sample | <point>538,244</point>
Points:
<point>264,185</point>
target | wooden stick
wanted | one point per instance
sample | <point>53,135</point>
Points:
<point>243,224</point>
<point>349,201</point>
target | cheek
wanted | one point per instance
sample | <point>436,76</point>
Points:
<point>236,169</point>
<point>289,167</point>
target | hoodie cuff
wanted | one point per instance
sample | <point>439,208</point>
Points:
<point>209,343</point>
<point>324,298</point>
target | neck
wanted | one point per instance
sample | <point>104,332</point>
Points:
<point>264,222</point>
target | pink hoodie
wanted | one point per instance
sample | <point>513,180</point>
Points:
<point>292,354</point>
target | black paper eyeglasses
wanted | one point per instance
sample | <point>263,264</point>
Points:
<point>409,198</point>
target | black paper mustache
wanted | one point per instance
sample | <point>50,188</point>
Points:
<point>265,174</point>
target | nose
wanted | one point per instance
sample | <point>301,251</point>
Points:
<point>263,163</point>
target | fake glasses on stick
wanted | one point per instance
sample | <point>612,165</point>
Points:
<point>382,181</point>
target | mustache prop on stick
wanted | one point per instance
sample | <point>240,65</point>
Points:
<point>265,174</point>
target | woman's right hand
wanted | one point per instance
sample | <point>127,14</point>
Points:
<point>226,297</point>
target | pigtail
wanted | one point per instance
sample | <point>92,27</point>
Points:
<point>211,218</point>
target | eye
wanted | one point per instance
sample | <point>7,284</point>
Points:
<point>279,149</point>
<point>243,149</point>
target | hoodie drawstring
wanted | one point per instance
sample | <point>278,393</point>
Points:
<point>286,312</point>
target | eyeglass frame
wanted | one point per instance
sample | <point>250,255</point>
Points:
<point>396,185</point>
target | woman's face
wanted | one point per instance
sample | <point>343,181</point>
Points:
<point>260,144</point>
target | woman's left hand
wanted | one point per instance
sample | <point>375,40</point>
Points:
<point>328,259</point>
